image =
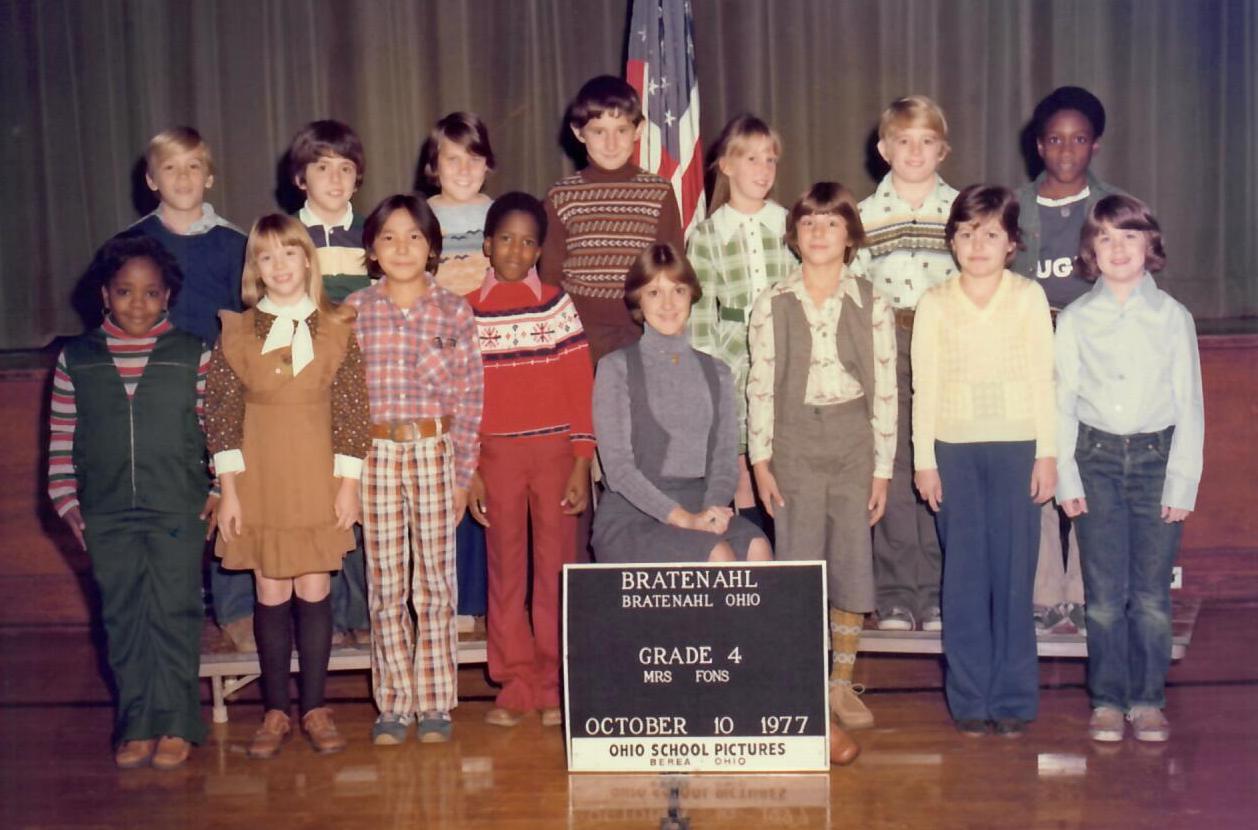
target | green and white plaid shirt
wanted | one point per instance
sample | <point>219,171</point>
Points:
<point>735,256</point>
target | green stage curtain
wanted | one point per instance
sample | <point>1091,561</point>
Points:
<point>85,83</point>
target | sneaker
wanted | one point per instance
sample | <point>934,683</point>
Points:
<point>499,716</point>
<point>435,727</point>
<point>974,728</point>
<point>320,730</point>
<point>1149,724</point>
<point>240,634</point>
<point>1048,617</point>
<point>1009,727</point>
<point>271,735</point>
<point>389,730</point>
<point>171,752</point>
<point>932,619</point>
<point>846,705</point>
<point>896,619</point>
<point>552,716</point>
<point>134,754</point>
<point>1078,617</point>
<point>1107,724</point>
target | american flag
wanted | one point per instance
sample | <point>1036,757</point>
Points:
<point>661,67</point>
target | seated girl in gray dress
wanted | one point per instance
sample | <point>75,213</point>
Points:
<point>667,433</point>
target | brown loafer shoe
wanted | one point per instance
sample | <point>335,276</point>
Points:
<point>320,730</point>
<point>846,705</point>
<point>171,752</point>
<point>552,716</point>
<point>133,754</point>
<point>843,749</point>
<point>498,716</point>
<point>274,731</point>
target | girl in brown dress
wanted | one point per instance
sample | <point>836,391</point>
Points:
<point>286,417</point>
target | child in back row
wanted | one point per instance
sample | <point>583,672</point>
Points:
<point>424,381</point>
<point>210,252</point>
<point>599,219</point>
<point>456,158</point>
<point>286,421</point>
<point>737,252</point>
<point>821,417</point>
<point>904,255</point>
<point>537,443</point>
<point>1068,124</point>
<point>326,161</point>
<point>127,474</point>
<point>984,450</point>
<point>1131,428</point>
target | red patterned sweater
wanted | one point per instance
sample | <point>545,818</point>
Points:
<point>538,378</point>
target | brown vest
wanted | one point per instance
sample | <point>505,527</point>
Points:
<point>792,342</point>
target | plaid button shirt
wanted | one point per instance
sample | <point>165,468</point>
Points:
<point>424,364</point>
<point>729,268</point>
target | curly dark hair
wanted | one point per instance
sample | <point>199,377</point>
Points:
<point>120,250</point>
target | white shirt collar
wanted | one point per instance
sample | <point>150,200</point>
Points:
<point>727,221</point>
<point>308,218</point>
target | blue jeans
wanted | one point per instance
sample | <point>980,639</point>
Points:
<point>990,530</point>
<point>231,592</point>
<point>349,589</point>
<point>1127,552</point>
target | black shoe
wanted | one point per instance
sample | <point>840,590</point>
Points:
<point>973,728</point>
<point>1010,727</point>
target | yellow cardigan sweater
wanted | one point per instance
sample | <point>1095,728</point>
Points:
<point>983,374</point>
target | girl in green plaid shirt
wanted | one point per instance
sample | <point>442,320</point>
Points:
<point>737,252</point>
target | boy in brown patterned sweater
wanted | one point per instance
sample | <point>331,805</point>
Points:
<point>601,217</point>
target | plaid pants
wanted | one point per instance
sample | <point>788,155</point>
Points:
<point>408,532</point>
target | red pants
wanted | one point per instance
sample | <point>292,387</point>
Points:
<point>526,477</point>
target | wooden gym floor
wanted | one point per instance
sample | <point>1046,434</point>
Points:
<point>915,771</point>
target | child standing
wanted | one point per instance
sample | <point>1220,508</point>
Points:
<point>737,252</point>
<point>821,417</point>
<point>904,255</point>
<point>1068,124</point>
<point>210,252</point>
<point>600,219</point>
<point>1131,428</point>
<point>537,443</point>
<point>326,161</point>
<point>425,381</point>
<point>287,426</point>
<point>457,158</point>
<point>126,471</point>
<point>983,441</point>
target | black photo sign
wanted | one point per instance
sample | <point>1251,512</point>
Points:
<point>696,667</point>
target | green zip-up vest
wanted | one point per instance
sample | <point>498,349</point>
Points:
<point>147,452</point>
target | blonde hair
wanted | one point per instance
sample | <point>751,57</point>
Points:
<point>733,141</point>
<point>279,229</point>
<point>177,140</point>
<point>913,111</point>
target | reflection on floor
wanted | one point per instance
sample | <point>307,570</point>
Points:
<point>915,771</point>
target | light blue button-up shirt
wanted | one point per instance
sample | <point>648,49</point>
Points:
<point>1127,368</point>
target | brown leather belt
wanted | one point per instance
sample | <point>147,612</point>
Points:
<point>904,318</point>
<point>411,430</point>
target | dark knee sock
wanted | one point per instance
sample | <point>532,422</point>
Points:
<point>314,647</point>
<point>273,632</point>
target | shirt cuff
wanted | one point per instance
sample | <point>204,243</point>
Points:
<point>347,466</point>
<point>1180,492</point>
<point>1069,483</point>
<point>229,461</point>
<point>883,471</point>
<point>65,508</point>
